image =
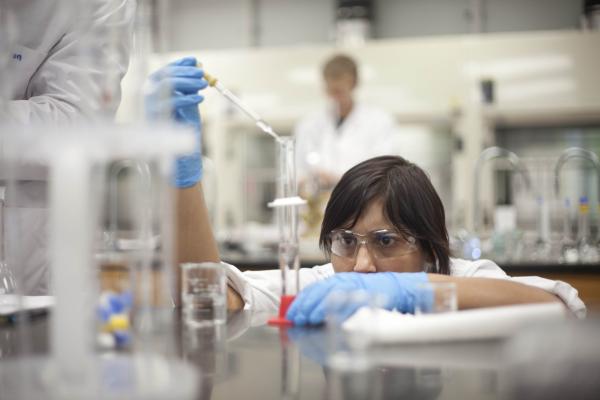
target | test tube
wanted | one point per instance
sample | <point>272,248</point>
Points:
<point>287,220</point>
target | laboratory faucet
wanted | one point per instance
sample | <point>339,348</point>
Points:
<point>143,171</point>
<point>486,155</point>
<point>583,248</point>
<point>570,153</point>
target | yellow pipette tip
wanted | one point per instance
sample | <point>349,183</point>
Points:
<point>212,81</point>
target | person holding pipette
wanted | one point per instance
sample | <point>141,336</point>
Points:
<point>384,231</point>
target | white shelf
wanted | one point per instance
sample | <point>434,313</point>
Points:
<point>536,117</point>
<point>427,117</point>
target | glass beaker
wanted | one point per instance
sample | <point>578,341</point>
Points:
<point>436,297</point>
<point>204,294</point>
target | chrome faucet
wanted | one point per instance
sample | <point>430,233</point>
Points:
<point>582,249</point>
<point>570,153</point>
<point>486,155</point>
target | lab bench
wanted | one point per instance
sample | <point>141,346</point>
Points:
<point>250,360</point>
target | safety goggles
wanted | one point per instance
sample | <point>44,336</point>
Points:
<point>382,244</point>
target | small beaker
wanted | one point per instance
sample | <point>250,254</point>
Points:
<point>203,294</point>
<point>436,297</point>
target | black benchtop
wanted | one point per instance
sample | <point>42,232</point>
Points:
<point>250,360</point>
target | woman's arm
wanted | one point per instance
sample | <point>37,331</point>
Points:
<point>195,240</point>
<point>194,237</point>
<point>488,292</point>
<point>400,291</point>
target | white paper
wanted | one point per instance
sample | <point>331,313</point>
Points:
<point>484,323</point>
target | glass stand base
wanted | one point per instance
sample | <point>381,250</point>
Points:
<point>280,320</point>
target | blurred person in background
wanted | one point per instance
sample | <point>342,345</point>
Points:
<point>54,84</point>
<point>346,132</point>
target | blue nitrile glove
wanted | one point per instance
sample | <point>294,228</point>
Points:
<point>398,289</point>
<point>181,80</point>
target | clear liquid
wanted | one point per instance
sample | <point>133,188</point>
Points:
<point>204,309</point>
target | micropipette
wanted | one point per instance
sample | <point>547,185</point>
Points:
<point>260,123</point>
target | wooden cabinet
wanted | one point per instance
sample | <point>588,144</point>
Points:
<point>585,279</point>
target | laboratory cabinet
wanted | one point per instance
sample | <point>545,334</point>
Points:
<point>584,278</point>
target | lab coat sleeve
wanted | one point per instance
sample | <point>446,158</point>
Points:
<point>261,290</point>
<point>81,74</point>
<point>488,269</point>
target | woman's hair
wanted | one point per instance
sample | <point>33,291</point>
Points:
<point>410,201</point>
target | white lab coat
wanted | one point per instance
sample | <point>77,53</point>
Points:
<point>48,73</point>
<point>260,290</point>
<point>365,133</point>
<point>54,83</point>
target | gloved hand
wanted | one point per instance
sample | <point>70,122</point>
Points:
<point>180,81</point>
<point>399,291</point>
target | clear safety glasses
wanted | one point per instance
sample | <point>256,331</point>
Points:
<point>381,243</point>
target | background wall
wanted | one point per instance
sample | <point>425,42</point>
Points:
<point>213,24</point>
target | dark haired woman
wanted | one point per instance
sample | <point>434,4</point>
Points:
<point>384,229</point>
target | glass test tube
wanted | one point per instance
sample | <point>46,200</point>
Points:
<point>286,204</point>
<point>287,218</point>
